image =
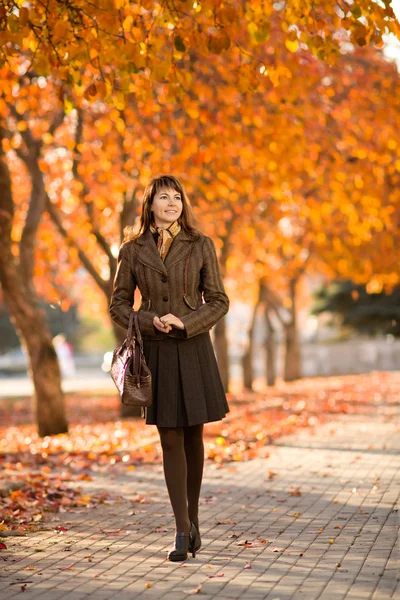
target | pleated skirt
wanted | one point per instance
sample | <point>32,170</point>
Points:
<point>187,386</point>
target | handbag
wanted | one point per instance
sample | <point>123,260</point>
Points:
<point>129,370</point>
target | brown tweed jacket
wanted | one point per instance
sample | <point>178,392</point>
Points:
<point>187,284</point>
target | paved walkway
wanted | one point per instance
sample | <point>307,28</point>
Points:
<point>318,519</point>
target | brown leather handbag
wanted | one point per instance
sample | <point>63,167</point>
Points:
<point>129,370</point>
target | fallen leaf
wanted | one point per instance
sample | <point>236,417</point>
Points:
<point>194,590</point>
<point>226,522</point>
<point>66,568</point>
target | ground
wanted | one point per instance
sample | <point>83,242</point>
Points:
<point>313,515</point>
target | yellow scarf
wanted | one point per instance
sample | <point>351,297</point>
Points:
<point>165,237</point>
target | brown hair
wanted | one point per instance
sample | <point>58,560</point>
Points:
<point>186,220</point>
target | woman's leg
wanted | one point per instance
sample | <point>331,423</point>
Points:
<point>194,451</point>
<point>175,471</point>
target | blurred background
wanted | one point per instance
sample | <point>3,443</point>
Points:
<point>283,126</point>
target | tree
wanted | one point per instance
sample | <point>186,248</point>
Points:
<point>16,278</point>
<point>364,312</point>
<point>114,47</point>
<point>120,54</point>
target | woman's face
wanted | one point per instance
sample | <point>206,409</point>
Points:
<point>167,207</point>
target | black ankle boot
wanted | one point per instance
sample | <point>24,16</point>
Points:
<point>195,543</point>
<point>184,542</point>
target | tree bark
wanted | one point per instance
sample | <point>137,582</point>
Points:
<point>292,366</point>
<point>221,350</point>
<point>247,360</point>
<point>28,318</point>
<point>269,349</point>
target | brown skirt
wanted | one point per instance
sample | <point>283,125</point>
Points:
<point>187,386</point>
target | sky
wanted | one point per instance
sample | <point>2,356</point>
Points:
<point>392,44</point>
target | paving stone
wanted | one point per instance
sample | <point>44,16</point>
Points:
<point>342,545</point>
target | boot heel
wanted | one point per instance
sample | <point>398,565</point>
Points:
<point>193,539</point>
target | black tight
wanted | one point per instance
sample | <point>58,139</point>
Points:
<point>183,461</point>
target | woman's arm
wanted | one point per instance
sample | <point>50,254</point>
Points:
<point>122,297</point>
<point>216,301</point>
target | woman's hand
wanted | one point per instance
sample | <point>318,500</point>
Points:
<point>170,321</point>
<point>158,324</point>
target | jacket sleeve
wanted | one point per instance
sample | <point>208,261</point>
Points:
<point>216,303</point>
<point>122,297</point>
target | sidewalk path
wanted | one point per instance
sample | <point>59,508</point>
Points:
<point>318,519</point>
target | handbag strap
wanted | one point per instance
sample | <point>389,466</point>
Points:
<point>130,327</point>
<point>138,334</point>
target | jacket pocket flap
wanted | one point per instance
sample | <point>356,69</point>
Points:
<point>189,302</point>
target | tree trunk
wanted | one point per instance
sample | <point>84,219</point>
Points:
<point>221,350</point>
<point>269,349</point>
<point>29,321</point>
<point>247,364</point>
<point>247,360</point>
<point>292,367</point>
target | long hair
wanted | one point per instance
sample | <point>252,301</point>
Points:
<point>186,220</point>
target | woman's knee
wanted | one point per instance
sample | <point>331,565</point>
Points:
<point>171,438</point>
<point>193,435</point>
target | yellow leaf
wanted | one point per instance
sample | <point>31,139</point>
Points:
<point>161,70</point>
<point>292,46</point>
<point>47,138</point>
<point>128,22</point>
<point>68,106</point>
<point>60,29</point>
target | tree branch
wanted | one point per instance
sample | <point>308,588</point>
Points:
<point>57,220</point>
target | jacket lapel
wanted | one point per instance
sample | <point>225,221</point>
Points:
<point>179,249</point>
<point>148,254</point>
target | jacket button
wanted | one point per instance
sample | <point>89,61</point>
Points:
<point>165,298</point>
<point>164,279</point>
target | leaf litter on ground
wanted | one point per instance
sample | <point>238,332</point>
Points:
<point>48,470</point>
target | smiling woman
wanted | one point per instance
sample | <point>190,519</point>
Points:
<point>167,207</point>
<point>176,269</point>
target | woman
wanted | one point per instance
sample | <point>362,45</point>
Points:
<point>176,269</point>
